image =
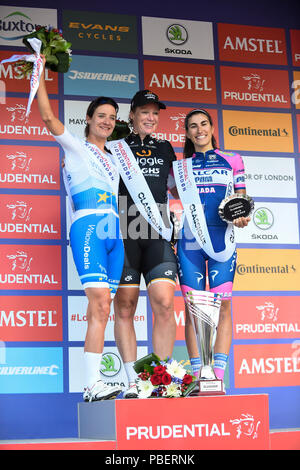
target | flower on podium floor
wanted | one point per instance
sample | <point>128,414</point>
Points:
<point>158,378</point>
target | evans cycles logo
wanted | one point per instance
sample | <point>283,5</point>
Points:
<point>100,31</point>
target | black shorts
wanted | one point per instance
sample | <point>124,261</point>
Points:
<point>155,259</point>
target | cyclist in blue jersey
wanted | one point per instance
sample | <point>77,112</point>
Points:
<point>92,180</point>
<point>216,174</point>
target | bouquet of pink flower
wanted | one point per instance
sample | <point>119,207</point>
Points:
<point>158,378</point>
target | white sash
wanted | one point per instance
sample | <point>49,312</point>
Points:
<point>190,198</point>
<point>138,188</point>
<point>109,170</point>
<point>36,71</point>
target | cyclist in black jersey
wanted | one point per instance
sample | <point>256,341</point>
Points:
<point>146,251</point>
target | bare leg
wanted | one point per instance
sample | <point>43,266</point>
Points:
<point>125,303</point>
<point>97,317</point>
<point>161,296</point>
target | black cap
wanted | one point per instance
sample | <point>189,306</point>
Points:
<point>143,97</point>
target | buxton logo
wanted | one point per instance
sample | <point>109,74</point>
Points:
<point>16,25</point>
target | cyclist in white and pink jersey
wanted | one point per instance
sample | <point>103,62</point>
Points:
<point>217,174</point>
<point>92,181</point>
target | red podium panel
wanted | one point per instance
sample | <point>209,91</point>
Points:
<point>218,422</point>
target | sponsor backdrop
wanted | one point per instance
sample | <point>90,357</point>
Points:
<point>247,74</point>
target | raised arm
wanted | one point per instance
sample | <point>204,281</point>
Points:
<point>54,125</point>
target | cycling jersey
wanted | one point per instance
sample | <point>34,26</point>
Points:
<point>91,178</point>
<point>91,181</point>
<point>145,251</point>
<point>214,172</point>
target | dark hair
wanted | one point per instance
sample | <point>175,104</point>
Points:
<point>94,105</point>
<point>189,147</point>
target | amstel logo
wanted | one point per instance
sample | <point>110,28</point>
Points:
<point>270,132</point>
<point>252,44</point>
<point>181,81</point>
<point>31,318</point>
<point>267,365</point>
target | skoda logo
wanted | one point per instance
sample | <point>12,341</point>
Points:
<point>263,218</point>
<point>177,34</point>
<point>110,364</point>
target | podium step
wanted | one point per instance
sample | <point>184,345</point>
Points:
<point>214,422</point>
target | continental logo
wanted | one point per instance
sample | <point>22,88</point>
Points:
<point>244,269</point>
<point>247,130</point>
<point>267,270</point>
<point>235,131</point>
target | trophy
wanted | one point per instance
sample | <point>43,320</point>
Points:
<point>234,206</point>
<point>204,310</point>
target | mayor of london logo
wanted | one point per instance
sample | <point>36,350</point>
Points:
<point>177,34</point>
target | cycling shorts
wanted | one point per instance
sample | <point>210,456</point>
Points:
<point>155,259</point>
<point>98,250</point>
<point>194,266</point>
